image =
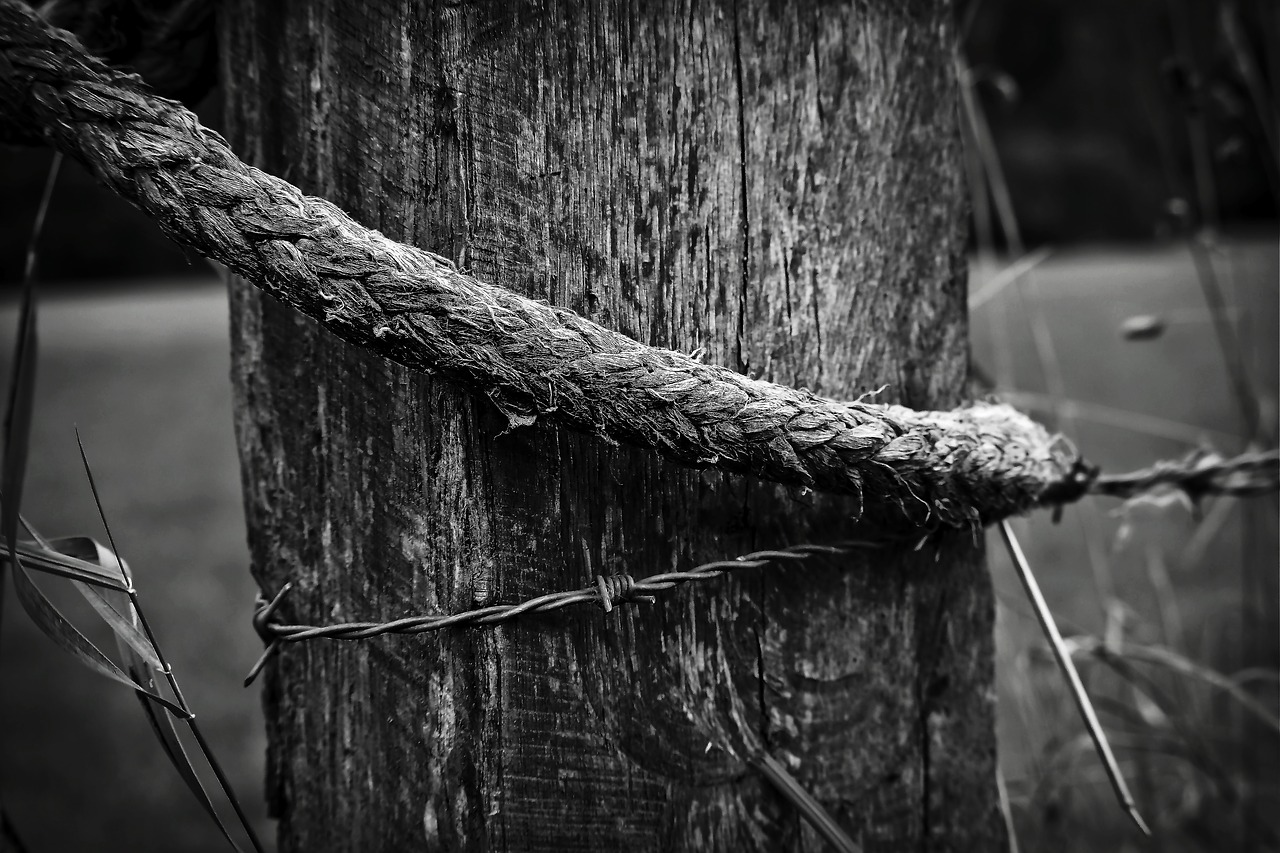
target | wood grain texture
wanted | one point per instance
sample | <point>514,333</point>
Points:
<point>777,183</point>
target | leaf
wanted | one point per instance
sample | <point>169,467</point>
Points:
<point>22,384</point>
<point>18,423</point>
<point>66,558</point>
<point>139,657</point>
<point>51,562</point>
<point>56,627</point>
<point>162,726</point>
<point>1167,658</point>
<point>115,607</point>
<point>9,838</point>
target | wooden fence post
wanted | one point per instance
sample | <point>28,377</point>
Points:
<point>777,184</point>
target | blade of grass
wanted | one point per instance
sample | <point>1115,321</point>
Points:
<point>1253,674</point>
<point>810,809</point>
<point>140,666</point>
<point>50,562</point>
<point>1232,28</point>
<point>1166,600</point>
<point>1229,344</point>
<point>9,838</point>
<point>58,628</point>
<point>1193,743</point>
<point>1104,415</point>
<point>1170,660</point>
<point>1007,276</point>
<point>22,385</point>
<point>1063,657</point>
<point>983,220</point>
<point>141,659</point>
<point>1256,631</point>
<point>163,728</point>
<point>178,757</point>
<point>17,426</point>
<point>1006,810</point>
<point>115,608</point>
<point>1041,336</point>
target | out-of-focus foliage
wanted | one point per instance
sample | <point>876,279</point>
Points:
<point>1091,105</point>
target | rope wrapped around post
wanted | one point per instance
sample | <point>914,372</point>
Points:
<point>960,468</point>
<point>963,468</point>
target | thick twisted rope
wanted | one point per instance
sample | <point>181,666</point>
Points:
<point>961,468</point>
<point>957,468</point>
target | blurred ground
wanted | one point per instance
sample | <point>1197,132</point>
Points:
<point>1202,583</point>
<point>145,375</point>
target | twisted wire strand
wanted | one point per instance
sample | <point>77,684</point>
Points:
<point>608,592</point>
<point>1197,475</point>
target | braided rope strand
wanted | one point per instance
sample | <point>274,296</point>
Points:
<point>533,360</point>
<point>971,466</point>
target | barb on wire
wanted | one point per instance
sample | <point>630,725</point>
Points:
<point>1199,474</point>
<point>1063,657</point>
<point>607,592</point>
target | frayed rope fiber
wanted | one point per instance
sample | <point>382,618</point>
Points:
<point>974,465</point>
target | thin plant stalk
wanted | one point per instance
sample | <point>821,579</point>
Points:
<point>167,669</point>
<point>28,285</point>
<point>995,285</point>
<point>9,838</point>
<point>1041,336</point>
<point>1063,657</point>
<point>982,216</point>
<point>810,809</point>
<point>1006,811</point>
<point>1255,583</point>
<point>1166,601</point>
<point>1102,415</point>
<point>1263,103</point>
<point>1229,343</point>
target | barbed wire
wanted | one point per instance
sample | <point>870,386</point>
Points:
<point>1197,475</point>
<point>608,592</point>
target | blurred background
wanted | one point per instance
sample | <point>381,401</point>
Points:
<point>1123,166</point>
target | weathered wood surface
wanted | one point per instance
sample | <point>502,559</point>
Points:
<point>777,183</point>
